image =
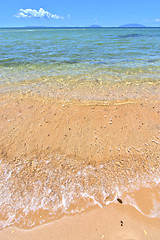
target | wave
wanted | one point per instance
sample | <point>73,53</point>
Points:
<point>58,185</point>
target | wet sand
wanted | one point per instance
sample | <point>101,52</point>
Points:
<point>110,223</point>
<point>122,138</point>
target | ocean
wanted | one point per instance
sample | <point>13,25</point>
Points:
<point>62,57</point>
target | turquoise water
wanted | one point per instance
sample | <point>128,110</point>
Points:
<point>105,54</point>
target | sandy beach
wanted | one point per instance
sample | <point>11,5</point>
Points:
<point>112,222</point>
<point>104,154</point>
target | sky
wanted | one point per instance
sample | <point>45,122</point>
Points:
<point>71,13</point>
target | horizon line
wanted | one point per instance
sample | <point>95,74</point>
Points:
<point>80,27</point>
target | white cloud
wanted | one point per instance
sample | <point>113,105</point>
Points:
<point>157,20</point>
<point>28,13</point>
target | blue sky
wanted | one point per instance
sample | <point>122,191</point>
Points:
<point>55,13</point>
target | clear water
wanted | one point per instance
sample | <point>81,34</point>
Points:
<point>105,54</point>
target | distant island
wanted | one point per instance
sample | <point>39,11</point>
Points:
<point>132,25</point>
<point>92,26</point>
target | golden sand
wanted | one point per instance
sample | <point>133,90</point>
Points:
<point>108,223</point>
<point>53,142</point>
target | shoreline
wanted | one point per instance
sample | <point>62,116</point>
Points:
<point>115,221</point>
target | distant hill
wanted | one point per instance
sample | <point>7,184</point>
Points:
<point>132,25</point>
<point>95,26</point>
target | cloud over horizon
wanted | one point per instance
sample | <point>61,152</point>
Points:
<point>32,13</point>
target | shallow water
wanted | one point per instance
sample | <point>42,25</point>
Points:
<point>30,57</point>
<point>54,187</point>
